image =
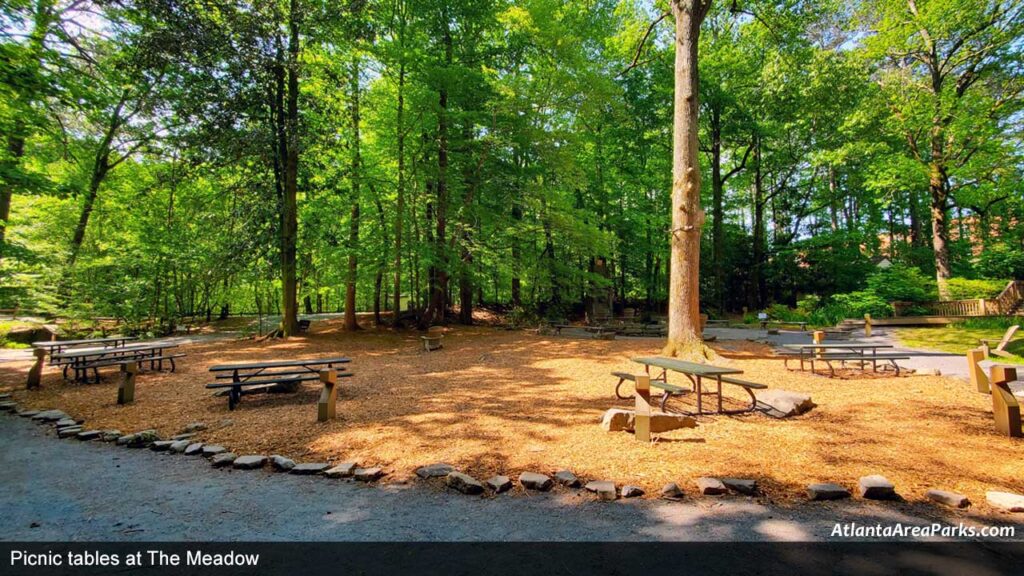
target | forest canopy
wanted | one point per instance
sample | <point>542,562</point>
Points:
<point>172,158</point>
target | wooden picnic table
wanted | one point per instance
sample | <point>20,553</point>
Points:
<point>255,375</point>
<point>82,360</point>
<point>854,351</point>
<point>51,347</point>
<point>693,372</point>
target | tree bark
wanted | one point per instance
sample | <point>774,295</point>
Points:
<point>718,209</point>
<point>940,232</point>
<point>684,329</point>
<point>289,217</point>
<point>400,203</point>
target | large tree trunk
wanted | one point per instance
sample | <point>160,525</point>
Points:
<point>437,304</point>
<point>99,172</point>
<point>758,286</point>
<point>353,233</point>
<point>684,329</point>
<point>290,218</point>
<point>940,233</point>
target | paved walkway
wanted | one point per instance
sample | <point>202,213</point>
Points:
<point>69,490</point>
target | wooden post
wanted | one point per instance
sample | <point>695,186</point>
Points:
<point>978,377</point>
<point>328,396</point>
<point>642,417</point>
<point>1005,407</point>
<point>819,337</point>
<point>35,374</point>
<point>867,325</point>
<point>126,388</point>
<point>981,307</point>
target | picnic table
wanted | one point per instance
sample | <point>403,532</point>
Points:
<point>843,352</point>
<point>696,373</point>
<point>268,376</point>
<point>50,347</point>
<point>82,360</point>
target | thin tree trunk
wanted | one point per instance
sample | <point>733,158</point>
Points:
<point>400,205</point>
<point>290,223</point>
<point>353,235</point>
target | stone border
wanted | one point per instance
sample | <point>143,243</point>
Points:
<point>186,443</point>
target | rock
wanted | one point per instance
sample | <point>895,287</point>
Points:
<point>8,406</point>
<point>69,431</point>
<point>367,474</point>
<point>194,427</point>
<point>223,459</point>
<point>782,403</point>
<point>309,468</point>
<point>343,470</point>
<point>280,463</point>
<point>632,491</point>
<point>438,470</point>
<point>617,420</point>
<point>710,486</point>
<point>534,481</point>
<point>499,484</point>
<point>161,445</point>
<point>138,439</point>
<point>67,422</point>
<point>948,498</point>
<point>827,491</point>
<point>50,416</point>
<point>464,483</point>
<point>179,446</point>
<point>213,449</point>
<point>741,485</point>
<point>110,435</point>
<point>250,462</point>
<point>89,434</point>
<point>671,491</point>
<point>184,436</point>
<point>193,449</point>
<point>604,489</point>
<point>1007,501</point>
<point>5,396</point>
<point>28,413</point>
<point>875,487</point>
<point>567,478</point>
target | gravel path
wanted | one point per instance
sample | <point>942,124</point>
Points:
<point>68,490</point>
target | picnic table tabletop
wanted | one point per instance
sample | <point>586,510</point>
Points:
<point>280,364</point>
<point>118,351</point>
<point>686,367</point>
<point>63,343</point>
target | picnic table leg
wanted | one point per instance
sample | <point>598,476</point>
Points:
<point>718,378</point>
<point>700,395</point>
<point>642,419</point>
<point>126,388</point>
<point>328,396</point>
<point>35,374</point>
<point>1005,407</point>
<point>978,376</point>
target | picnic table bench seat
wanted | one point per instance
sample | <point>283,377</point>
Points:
<point>269,384</point>
<point>285,375</point>
<point>674,390</point>
<point>889,358</point>
<point>82,369</point>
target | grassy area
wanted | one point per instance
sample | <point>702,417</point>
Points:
<point>959,338</point>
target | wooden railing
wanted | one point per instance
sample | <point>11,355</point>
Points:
<point>1010,300</point>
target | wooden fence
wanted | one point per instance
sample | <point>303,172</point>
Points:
<point>1009,301</point>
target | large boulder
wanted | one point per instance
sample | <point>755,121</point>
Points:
<point>783,403</point>
<point>619,420</point>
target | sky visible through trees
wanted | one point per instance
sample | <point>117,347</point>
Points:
<point>169,158</point>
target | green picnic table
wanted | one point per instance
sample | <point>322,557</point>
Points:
<point>696,373</point>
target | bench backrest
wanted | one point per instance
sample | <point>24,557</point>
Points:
<point>1007,337</point>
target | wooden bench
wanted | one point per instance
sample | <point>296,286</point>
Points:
<point>281,375</point>
<point>766,323</point>
<point>253,386</point>
<point>1000,348</point>
<point>673,390</point>
<point>155,363</point>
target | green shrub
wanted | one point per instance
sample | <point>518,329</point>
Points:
<point>966,288</point>
<point>1001,261</point>
<point>808,303</point>
<point>901,283</point>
